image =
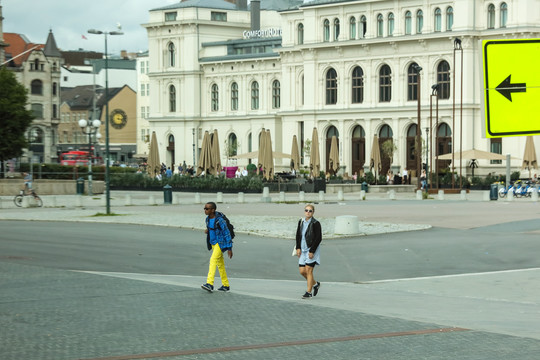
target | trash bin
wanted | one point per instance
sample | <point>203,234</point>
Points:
<point>364,186</point>
<point>80,186</point>
<point>167,194</point>
<point>494,192</point>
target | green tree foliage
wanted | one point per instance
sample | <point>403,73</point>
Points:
<point>14,117</point>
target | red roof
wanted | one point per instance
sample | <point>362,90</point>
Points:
<point>16,45</point>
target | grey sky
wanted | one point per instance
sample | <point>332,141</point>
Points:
<point>70,19</point>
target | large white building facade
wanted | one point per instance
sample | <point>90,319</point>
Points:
<point>348,68</point>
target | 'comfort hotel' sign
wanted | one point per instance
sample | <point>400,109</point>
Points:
<point>266,33</point>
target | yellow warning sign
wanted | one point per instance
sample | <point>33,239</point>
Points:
<point>512,87</point>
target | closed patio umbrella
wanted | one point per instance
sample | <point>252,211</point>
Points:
<point>375,160</point>
<point>295,154</point>
<point>268,166</point>
<point>529,157</point>
<point>262,149</point>
<point>314,158</point>
<point>205,158</point>
<point>334,155</point>
<point>216,154</point>
<point>154,165</point>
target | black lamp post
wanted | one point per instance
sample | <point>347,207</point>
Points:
<point>107,164</point>
<point>434,93</point>
<point>89,128</point>
<point>417,68</point>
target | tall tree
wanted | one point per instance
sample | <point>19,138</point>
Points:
<point>15,118</point>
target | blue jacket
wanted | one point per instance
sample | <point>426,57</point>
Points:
<point>222,233</point>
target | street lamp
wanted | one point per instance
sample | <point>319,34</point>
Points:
<point>107,164</point>
<point>434,93</point>
<point>89,128</point>
<point>457,47</point>
<point>418,68</point>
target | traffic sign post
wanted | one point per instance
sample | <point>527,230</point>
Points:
<point>511,87</point>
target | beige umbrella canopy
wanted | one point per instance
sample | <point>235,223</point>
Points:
<point>375,160</point>
<point>268,165</point>
<point>262,149</point>
<point>216,154</point>
<point>295,154</point>
<point>154,165</point>
<point>314,158</point>
<point>205,158</point>
<point>529,157</point>
<point>473,154</point>
<point>334,155</point>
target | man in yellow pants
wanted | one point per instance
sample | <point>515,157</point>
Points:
<point>218,239</point>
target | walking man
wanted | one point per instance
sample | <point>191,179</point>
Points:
<point>218,239</point>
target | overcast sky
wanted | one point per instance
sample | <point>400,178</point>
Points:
<point>71,19</point>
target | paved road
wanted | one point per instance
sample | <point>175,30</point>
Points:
<point>464,290</point>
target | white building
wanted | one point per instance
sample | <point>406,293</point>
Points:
<point>347,68</point>
<point>143,104</point>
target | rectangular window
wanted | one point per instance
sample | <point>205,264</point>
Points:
<point>170,16</point>
<point>143,115</point>
<point>142,89</point>
<point>37,109</point>
<point>218,16</point>
<point>147,89</point>
<point>496,147</point>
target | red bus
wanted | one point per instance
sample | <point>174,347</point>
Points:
<point>76,158</point>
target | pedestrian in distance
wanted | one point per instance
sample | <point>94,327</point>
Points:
<point>308,250</point>
<point>218,239</point>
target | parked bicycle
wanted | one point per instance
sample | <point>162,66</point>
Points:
<point>18,200</point>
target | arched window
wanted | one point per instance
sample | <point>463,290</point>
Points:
<point>36,87</point>
<point>215,97</point>
<point>385,134</point>
<point>326,30</point>
<point>276,94</point>
<point>172,54</point>
<point>172,98</point>
<point>332,131</point>
<point>438,20</point>
<point>254,95</point>
<point>412,83</point>
<point>408,23</point>
<point>232,145</point>
<point>352,28</point>
<point>303,88</point>
<point>336,29</point>
<point>444,144</point>
<point>54,89</point>
<point>357,85</point>
<point>391,24</point>
<point>504,14</point>
<point>380,25</point>
<point>385,84</point>
<point>36,136</point>
<point>234,96</point>
<point>443,79</point>
<point>358,143</point>
<point>331,87</point>
<point>449,18</point>
<point>411,147</point>
<point>300,34</point>
<point>250,143</point>
<point>363,23</point>
<point>419,21</point>
<point>491,16</point>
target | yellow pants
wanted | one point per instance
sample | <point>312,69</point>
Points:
<point>217,260</point>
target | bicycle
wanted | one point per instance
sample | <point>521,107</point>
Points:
<point>18,200</point>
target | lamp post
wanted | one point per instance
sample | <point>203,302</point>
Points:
<point>107,164</point>
<point>434,93</point>
<point>89,128</point>
<point>417,68</point>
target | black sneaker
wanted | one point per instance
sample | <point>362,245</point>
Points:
<point>224,288</point>
<point>316,288</point>
<point>307,295</point>
<point>207,287</point>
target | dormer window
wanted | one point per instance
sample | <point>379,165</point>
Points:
<point>170,16</point>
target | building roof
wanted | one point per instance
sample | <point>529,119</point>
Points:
<point>51,50</point>
<point>324,2</point>
<point>80,97</point>
<point>125,64</point>
<point>276,5</point>
<point>78,57</point>
<point>18,44</point>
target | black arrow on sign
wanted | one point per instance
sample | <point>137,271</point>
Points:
<point>506,88</point>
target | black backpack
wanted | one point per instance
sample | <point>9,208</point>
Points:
<point>228,222</point>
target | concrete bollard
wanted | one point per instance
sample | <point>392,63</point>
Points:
<point>440,195</point>
<point>241,198</point>
<point>302,196</point>
<point>419,195</point>
<point>128,201</point>
<point>219,198</point>
<point>392,195</point>
<point>340,196</point>
<point>178,200</point>
<point>346,225</point>
<point>197,198</point>
<point>362,194</point>
<point>52,201</point>
<point>151,200</point>
<point>486,196</point>
<point>534,195</point>
<point>510,196</point>
<point>26,201</point>
<point>78,201</point>
<point>266,195</point>
<point>282,196</point>
<point>321,195</point>
<point>463,194</point>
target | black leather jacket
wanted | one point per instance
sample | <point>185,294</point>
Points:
<point>313,235</point>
